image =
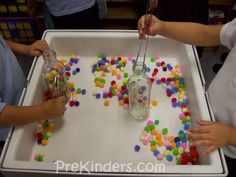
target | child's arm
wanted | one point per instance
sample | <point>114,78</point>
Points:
<point>34,49</point>
<point>19,115</point>
<point>213,135</point>
<point>190,33</point>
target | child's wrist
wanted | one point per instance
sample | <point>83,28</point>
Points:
<point>43,112</point>
<point>232,136</point>
<point>26,49</point>
<point>161,29</point>
<point>23,49</point>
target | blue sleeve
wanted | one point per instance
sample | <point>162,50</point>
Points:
<point>4,130</point>
<point>2,106</point>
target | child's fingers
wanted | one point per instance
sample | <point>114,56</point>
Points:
<point>200,143</point>
<point>61,99</point>
<point>199,130</point>
<point>41,45</point>
<point>141,23</point>
<point>148,20</point>
<point>210,149</point>
<point>199,136</point>
<point>141,34</point>
<point>204,122</point>
<point>44,44</point>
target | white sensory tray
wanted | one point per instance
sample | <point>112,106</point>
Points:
<point>96,134</point>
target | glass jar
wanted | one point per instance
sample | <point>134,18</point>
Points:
<point>139,87</point>
<point>54,75</point>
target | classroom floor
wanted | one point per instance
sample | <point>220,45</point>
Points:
<point>208,60</point>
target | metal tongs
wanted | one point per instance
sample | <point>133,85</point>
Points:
<point>151,5</point>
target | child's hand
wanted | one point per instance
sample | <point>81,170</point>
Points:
<point>149,25</point>
<point>37,48</point>
<point>211,134</point>
<point>54,108</point>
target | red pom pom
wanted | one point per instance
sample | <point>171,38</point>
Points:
<point>71,103</point>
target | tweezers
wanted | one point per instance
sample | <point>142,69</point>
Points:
<point>151,5</point>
